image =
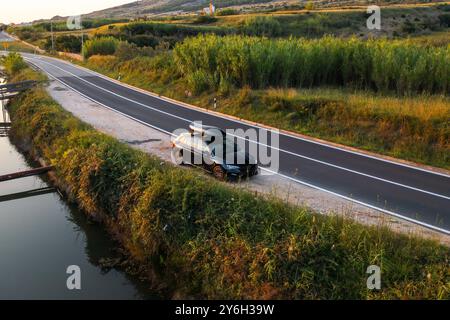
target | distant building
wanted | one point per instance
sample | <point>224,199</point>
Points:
<point>209,10</point>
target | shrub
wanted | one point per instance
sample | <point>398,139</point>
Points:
<point>227,12</point>
<point>100,46</point>
<point>143,40</point>
<point>445,19</point>
<point>127,51</point>
<point>13,63</point>
<point>409,27</point>
<point>309,5</point>
<point>204,19</point>
<point>29,33</point>
<point>262,26</point>
<point>199,81</point>
<point>66,43</point>
<point>168,29</point>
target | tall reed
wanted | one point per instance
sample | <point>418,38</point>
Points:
<point>382,65</point>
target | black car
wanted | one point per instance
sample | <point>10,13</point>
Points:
<point>224,158</point>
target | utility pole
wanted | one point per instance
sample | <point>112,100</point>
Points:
<point>53,39</point>
<point>82,38</point>
<point>82,34</point>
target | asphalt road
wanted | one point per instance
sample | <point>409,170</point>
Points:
<point>408,192</point>
<point>5,38</point>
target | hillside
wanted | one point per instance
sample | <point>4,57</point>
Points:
<point>154,7</point>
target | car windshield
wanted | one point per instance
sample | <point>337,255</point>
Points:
<point>228,146</point>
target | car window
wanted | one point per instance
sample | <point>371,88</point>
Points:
<point>199,144</point>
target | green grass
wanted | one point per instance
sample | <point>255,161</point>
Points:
<point>206,239</point>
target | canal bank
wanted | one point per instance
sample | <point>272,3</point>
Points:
<point>41,235</point>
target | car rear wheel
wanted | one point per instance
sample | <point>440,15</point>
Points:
<point>219,173</point>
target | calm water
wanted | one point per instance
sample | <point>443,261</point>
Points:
<point>41,235</point>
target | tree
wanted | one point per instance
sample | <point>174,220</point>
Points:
<point>309,5</point>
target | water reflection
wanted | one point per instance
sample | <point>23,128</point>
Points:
<point>41,235</point>
<point>4,116</point>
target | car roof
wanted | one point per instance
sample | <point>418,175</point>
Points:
<point>202,129</point>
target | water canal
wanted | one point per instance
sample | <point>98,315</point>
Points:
<point>41,235</point>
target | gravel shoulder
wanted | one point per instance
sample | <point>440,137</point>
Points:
<point>157,143</point>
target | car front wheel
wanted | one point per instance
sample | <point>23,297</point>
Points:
<point>219,173</point>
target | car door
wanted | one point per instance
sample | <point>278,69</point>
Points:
<point>197,150</point>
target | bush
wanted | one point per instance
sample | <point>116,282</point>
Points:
<point>262,26</point>
<point>127,51</point>
<point>142,40</point>
<point>100,46</point>
<point>445,19</point>
<point>13,63</point>
<point>227,12</point>
<point>168,29</point>
<point>199,81</point>
<point>28,33</point>
<point>309,5</point>
<point>66,43</point>
<point>409,27</point>
<point>204,19</point>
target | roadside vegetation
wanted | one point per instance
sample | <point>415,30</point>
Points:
<point>17,46</point>
<point>13,63</point>
<point>65,43</point>
<point>101,46</point>
<point>399,66</point>
<point>206,239</point>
